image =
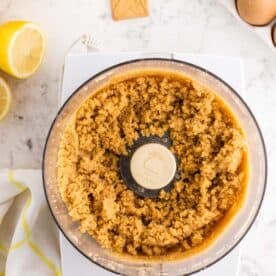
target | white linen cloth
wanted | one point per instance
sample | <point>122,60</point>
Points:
<point>28,236</point>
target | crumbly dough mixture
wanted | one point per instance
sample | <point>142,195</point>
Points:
<point>207,140</point>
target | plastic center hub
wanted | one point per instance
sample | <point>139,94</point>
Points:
<point>153,166</point>
<point>150,166</point>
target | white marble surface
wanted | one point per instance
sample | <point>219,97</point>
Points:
<point>198,26</point>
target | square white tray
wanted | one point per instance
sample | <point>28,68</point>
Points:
<point>78,68</point>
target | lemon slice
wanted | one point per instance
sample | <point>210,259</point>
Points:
<point>22,48</point>
<point>5,99</point>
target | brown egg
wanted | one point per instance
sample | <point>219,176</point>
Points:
<point>274,34</point>
<point>257,12</point>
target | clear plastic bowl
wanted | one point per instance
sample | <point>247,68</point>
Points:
<point>229,237</point>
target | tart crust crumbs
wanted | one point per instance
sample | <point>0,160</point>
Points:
<point>207,141</point>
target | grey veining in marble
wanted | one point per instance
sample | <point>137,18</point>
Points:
<point>198,26</point>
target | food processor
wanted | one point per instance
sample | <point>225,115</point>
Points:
<point>234,231</point>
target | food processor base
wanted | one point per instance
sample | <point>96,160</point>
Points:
<point>81,65</point>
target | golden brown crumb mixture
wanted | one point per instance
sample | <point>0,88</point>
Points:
<point>207,141</point>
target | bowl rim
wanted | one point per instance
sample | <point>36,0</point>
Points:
<point>168,60</point>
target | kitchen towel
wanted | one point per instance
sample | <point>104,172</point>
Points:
<point>263,32</point>
<point>28,236</point>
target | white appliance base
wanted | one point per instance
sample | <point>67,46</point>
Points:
<point>79,67</point>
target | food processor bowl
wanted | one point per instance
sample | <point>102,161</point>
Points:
<point>231,234</point>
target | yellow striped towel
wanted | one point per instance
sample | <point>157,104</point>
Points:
<point>28,237</point>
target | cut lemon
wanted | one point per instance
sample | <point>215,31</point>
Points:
<point>5,99</point>
<point>22,48</point>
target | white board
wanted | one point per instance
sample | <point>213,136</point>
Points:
<point>80,67</point>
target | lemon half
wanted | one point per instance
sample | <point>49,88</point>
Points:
<point>5,98</point>
<point>22,48</point>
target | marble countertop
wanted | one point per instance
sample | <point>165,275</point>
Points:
<point>198,26</point>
